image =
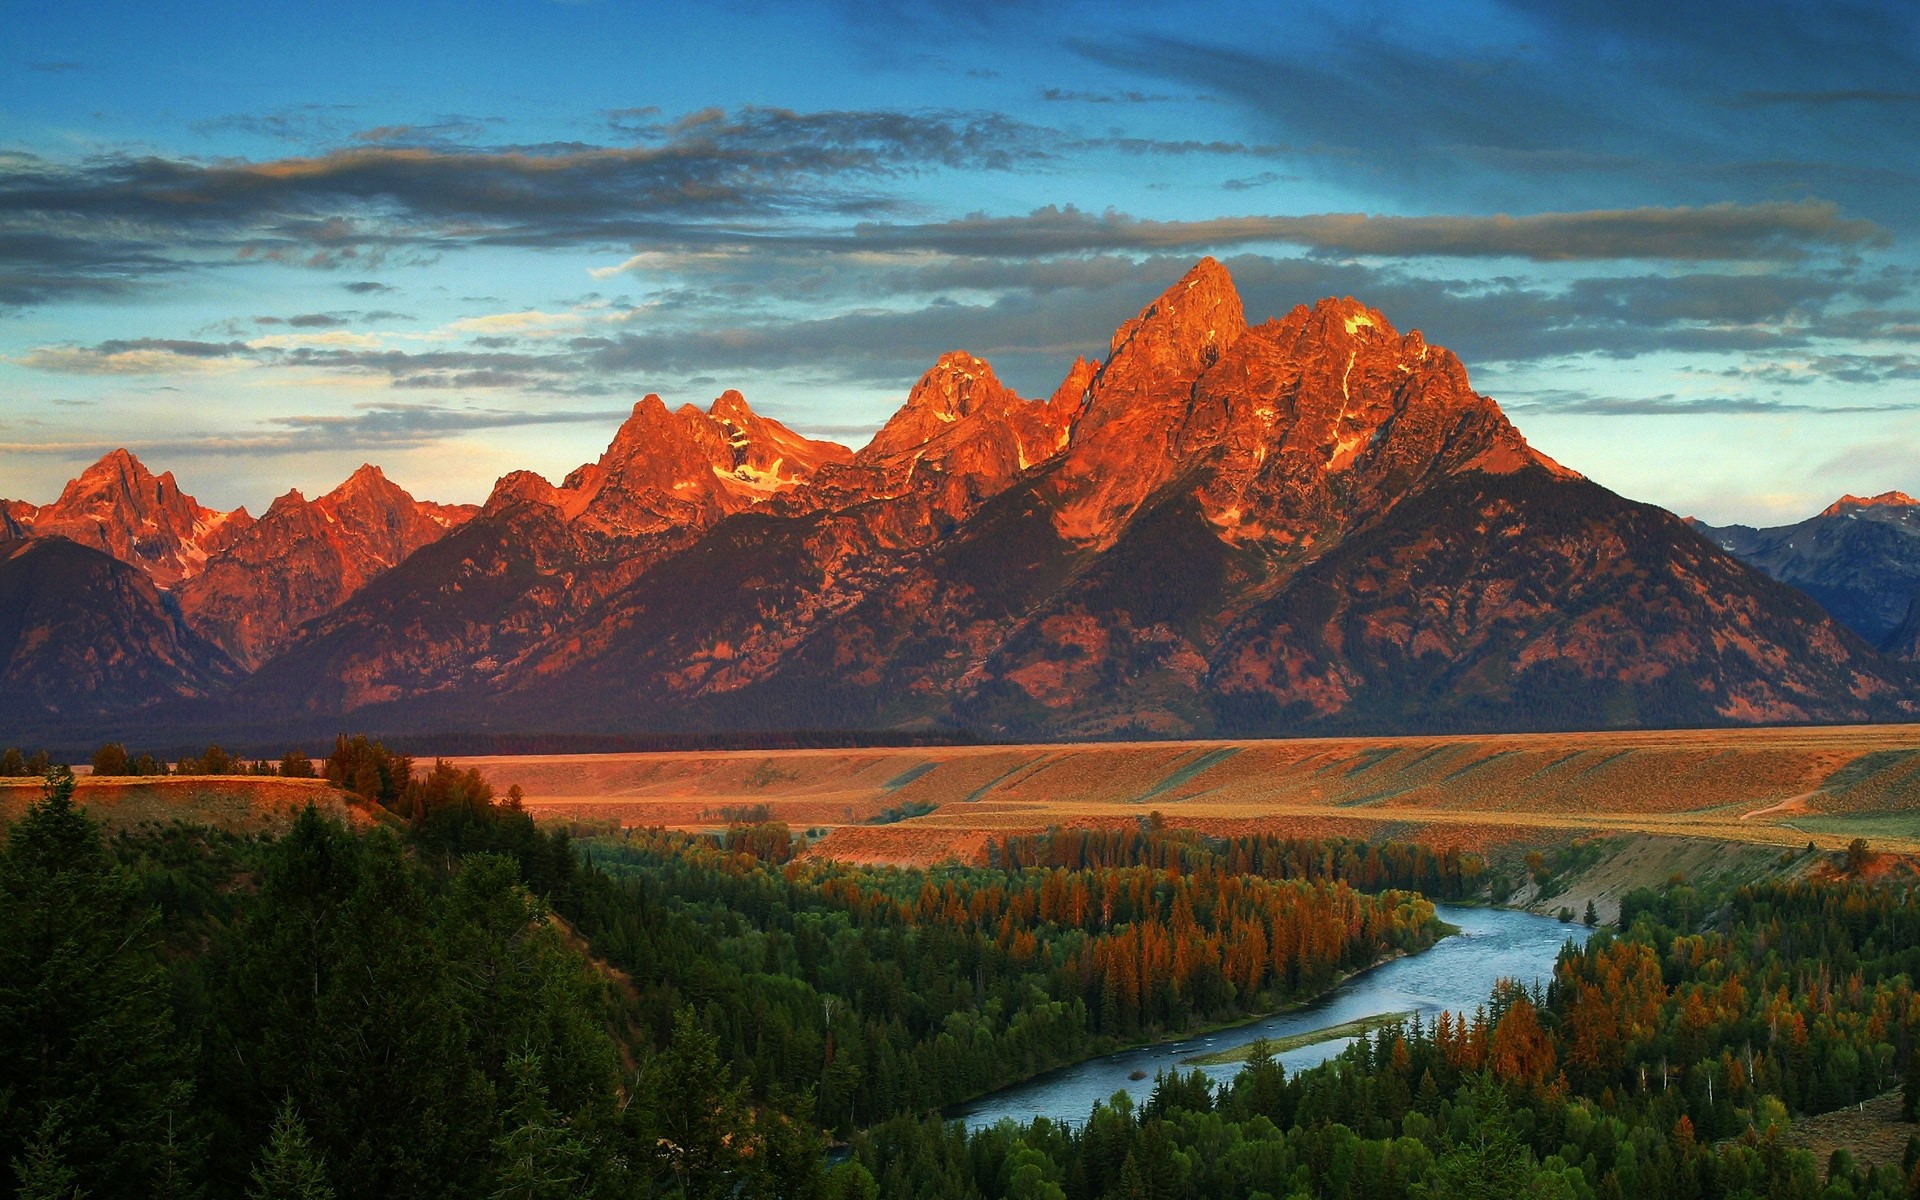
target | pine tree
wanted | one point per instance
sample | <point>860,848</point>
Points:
<point>699,1119</point>
<point>41,1167</point>
<point>289,1167</point>
<point>539,1157</point>
<point>85,1026</point>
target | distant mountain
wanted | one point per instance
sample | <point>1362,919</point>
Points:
<point>1859,557</point>
<point>222,563</point>
<point>1308,524</point>
<point>465,615</point>
<point>118,506</point>
<point>82,634</point>
<point>302,558</point>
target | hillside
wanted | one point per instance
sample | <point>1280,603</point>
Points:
<point>236,803</point>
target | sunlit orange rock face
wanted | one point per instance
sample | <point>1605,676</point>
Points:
<point>119,506</point>
<point>470,612</point>
<point>1313,522</point>
<point>961,438</point>
<point>303,557</point>
<point>1290,430</point>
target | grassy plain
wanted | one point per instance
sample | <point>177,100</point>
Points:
<point>1780,787</point>
<point>237,803</point>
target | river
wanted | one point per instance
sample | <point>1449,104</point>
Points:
<point>1457,974</point>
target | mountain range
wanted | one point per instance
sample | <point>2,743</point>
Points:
<point>1859,557</point>
<point>1308,524</point>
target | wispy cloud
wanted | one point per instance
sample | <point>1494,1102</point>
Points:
<point>379,426</point>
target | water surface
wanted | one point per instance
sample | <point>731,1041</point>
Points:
<point>1456,974</point>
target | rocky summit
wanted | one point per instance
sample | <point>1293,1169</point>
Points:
<point>1859,557</point>
<point>1308,523</point>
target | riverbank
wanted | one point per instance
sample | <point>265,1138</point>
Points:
<point>1313,1037</point>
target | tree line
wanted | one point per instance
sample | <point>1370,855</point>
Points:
<point>1444,874</point>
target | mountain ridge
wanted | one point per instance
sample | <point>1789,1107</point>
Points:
<point>1308,523</point>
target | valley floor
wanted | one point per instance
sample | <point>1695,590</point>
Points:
<point>1781,787</point>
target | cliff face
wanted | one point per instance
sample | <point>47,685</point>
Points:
<point>1309,523</point>
<point>119,507</point>
<point>467,615</point>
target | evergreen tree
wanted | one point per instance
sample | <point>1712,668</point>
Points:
<point>110,759</point>
<point>41,1169</point>
<point>1487,1161</point>
<point>85,1027</point>
<point>539,1156</point>
<point>289,1167</point>
<point>698,1119</point>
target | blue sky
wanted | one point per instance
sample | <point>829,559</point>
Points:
<point>261,244</point>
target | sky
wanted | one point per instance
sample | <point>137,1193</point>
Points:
<point>260,244</point>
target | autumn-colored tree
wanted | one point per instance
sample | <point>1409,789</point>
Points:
<point>1520,1051</point>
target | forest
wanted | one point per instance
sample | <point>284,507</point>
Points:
<point>456,1001</point>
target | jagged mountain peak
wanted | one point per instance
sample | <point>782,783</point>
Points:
<point>956,388</point>
<point>1183,331</point>
<point>117,505</point>
<point>1270,415</point>
<point>1851,503</point>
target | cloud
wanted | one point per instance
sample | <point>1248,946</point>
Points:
<point>379,426</point>
<point>60,66</point>
<point>1844,96</point>
<point>134,356</point>
<point>104,223</point>
<point>1779,231</point>
<point>1588,404</point>
<point>1536,102</point>
<point>368,287</point>
<point>1250,182</point>
<point>1866,369</point>
<point>1067,95</point>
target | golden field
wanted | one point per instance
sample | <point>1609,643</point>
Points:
<point>1785,787</point>
<point>237,803</point>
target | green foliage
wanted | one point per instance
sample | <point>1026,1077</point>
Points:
<point>91,1075</point>
<point>212,761</point>
<point>369,770</point>
<point>111,759</point>
<point>289,1167</point>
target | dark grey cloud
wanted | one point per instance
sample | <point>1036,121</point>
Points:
<point>376,427</point>
<point>308,321</point>
<point>1841,96</point>
<point>1247,184</point>
<point>368,287</point>
<point>1069,95</point>
<point>1588,404</point>
<point>1779,231</point>
<point>400,425</point>
<point>106,222</point>
<point>1833,368</point>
